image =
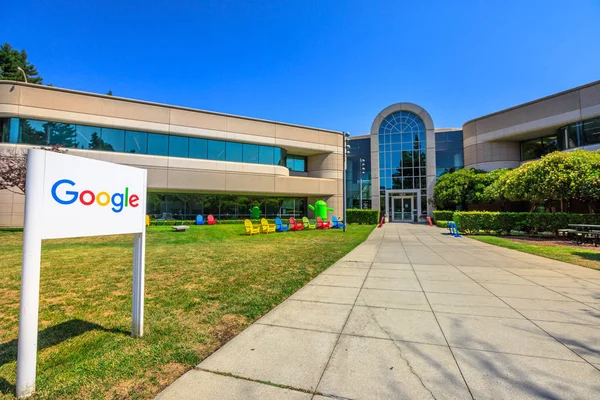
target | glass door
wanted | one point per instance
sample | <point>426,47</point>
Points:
<point>402,208</point>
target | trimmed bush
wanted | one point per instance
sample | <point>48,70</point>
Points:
<point>358,216</point>
<point>442,215</point>
<point>532,223</point>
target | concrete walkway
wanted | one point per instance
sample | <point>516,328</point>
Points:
<point>415,314</point>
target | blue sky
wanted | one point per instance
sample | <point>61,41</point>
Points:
<point>328,64</point>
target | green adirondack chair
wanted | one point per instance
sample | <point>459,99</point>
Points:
<point>307,224</point>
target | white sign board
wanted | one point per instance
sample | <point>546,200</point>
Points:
<point>68,196</point>
<point>85,197</point>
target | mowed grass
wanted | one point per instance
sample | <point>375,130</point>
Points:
<point>579,256</point>
<point>203,287</point>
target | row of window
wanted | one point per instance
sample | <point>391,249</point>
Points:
<point>188,205</point>
<point>575,135</point>
<point>34,132</point>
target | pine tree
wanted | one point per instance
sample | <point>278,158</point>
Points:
<point>10,59</point>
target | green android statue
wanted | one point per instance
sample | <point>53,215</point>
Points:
<point>255,212</point>
<point>320,208</point>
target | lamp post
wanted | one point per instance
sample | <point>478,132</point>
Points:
<point>346,151</point>
<point>24,74</point>
<point>362,171</point>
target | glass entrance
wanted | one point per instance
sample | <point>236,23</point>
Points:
<point>402,208</point>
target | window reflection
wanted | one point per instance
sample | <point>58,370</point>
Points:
<point>216,150</point>
<point>250,153</point>
<point>198,148</point>
<point>136,142</point>
<point>234,151</point>
<point>43,133</point>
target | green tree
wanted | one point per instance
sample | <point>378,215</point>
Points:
<point>11,59</point>
<point>458,189</point>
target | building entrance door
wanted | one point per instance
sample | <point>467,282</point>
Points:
<point>402,208</point>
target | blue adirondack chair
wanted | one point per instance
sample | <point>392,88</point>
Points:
<point>335,223</point>
<point>199,220</point>
<point>280,226</point>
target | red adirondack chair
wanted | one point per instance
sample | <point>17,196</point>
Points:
<point>296,225</point>
<point>210,220</point>
<point>429,221</point>
<point>323,224</point>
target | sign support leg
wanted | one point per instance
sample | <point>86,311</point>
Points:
<point>30,276</point>
<point>137,303</point>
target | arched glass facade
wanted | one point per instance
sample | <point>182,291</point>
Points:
<point>402,155</point>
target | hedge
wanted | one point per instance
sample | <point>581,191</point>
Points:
<point>358,216</point>
<point>505,222</point>
<point>442,215</point>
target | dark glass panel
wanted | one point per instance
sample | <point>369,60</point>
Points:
<point>531,149</point>
<point>216,150</point>
<point>136,142</point>
<point>198,148</point>
<point>591,131</point>
<point>88,136</point>
<point>112,140</point>
<point>251,153</point>
<point>234,152</point>
<point>158,144</point>
<point>32,132</point>
<point>266,155</point>
<point>62,134</point>
<point>178,146</point>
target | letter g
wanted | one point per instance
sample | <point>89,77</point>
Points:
<point>70,193</point>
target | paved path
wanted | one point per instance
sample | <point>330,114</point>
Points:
<point>414,314</point>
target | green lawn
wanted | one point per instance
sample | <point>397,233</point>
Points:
<point>202,288</point>
<point>574,255</point>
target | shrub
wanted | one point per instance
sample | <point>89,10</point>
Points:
<point>505,222</point>
<point>358,216</point>
<point>442,215</point>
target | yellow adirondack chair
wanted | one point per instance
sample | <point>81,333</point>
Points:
<point>307,224</point>
<point>266,227</point>
<point>250,228</point>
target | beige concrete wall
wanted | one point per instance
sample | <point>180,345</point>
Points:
<point>492,141</point>
<point>323,148</point>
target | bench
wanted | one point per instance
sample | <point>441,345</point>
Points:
<point>180,228</point>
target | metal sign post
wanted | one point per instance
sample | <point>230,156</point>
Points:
<point>69,196</point>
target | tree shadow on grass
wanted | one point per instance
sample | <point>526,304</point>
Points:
<point>588,256</point>
<point>49,337</point>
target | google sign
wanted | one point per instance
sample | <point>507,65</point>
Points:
<point>66,197</point>
<point>87,197</point>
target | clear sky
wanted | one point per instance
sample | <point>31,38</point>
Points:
<point>328,64</point>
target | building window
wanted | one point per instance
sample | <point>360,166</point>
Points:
<point>234,152</point>
<point>178,146</point>
<point>578,134</point>
<point>198,148</point>
<point>136,142</point>
<point>188,205</point>
<point>43,133</point>
<point>402,154</point>
<point>449,155</point>
<point>296,163</point>
<point>216,150</point>
<point>158,145</point>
